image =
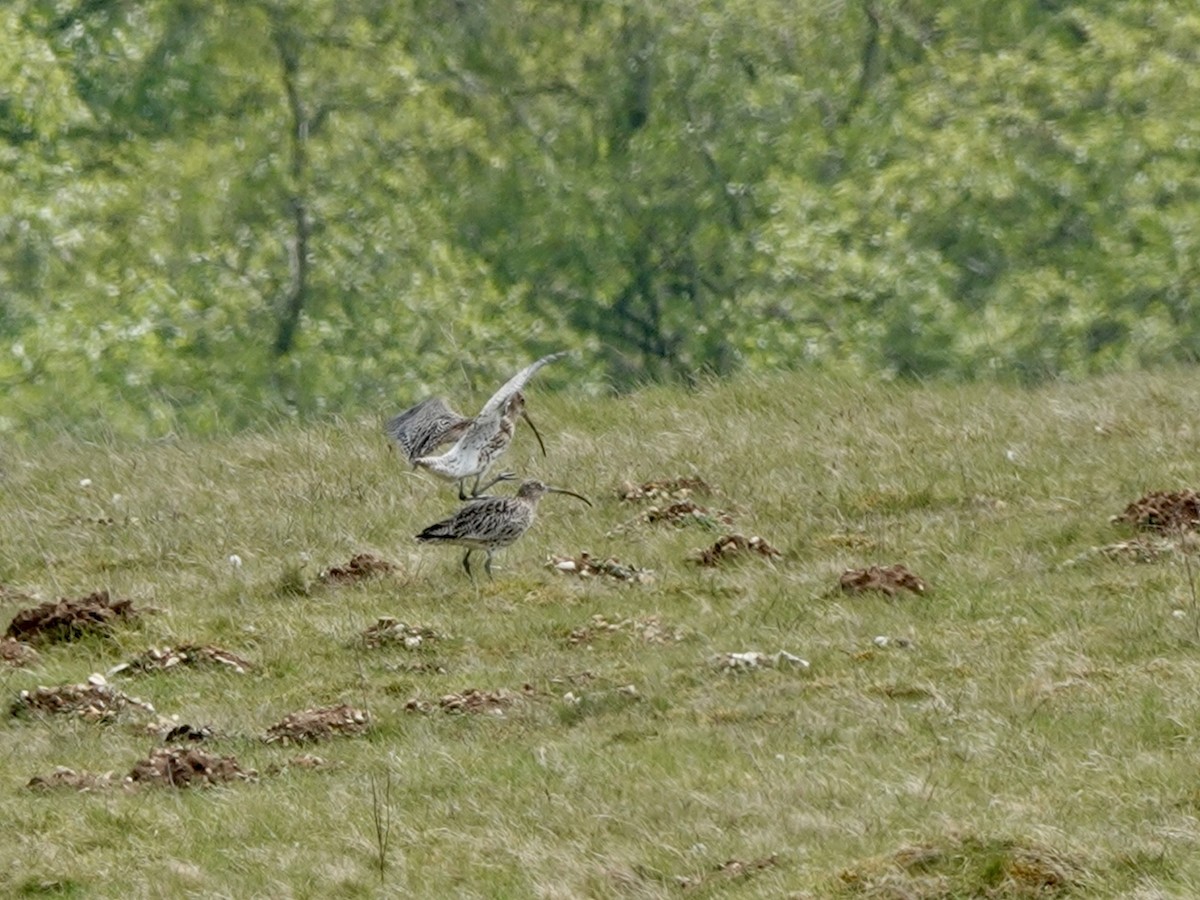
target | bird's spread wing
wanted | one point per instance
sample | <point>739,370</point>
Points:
<point>514,384</point>
<point>423,427</point>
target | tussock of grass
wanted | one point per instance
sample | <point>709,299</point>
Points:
<point>1038,698</point>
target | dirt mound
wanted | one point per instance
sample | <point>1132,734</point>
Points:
<point>731,546</point>
<point>966,867</point>
<point>319,724</point>
<point>68,620</point>
<point>585,566</point>
<point>1163,511</point>
<point>388,630</point>
<point>360,568</point>
<point>187,767</point>
<point>680,514</point>
<point>94,701</point>
<point>16,654</point>
<point>160,659</point>
<point>471,700</point>
<point>888,579</point>
<point>665,489</point>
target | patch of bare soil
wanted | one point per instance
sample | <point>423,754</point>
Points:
<point>67,620</point>
<point>188,767</point>
<point>967,867</point>
<point>730,870</point>
<point>94,701</point>
<point>1164,511</point>
<point>732,546</point>
<point>664,489</point>
<point>649,629</point>
<point>16,654</point>
<point>387,631</point>
<point>158,659</point>
<point>888,579</point>
<point>319,724</point>
<point>62,777</point>
<point>585,566</point>
<point>681,513</point>
<point>361,567</point>
<point>471,700</point>
<point>685,512</point>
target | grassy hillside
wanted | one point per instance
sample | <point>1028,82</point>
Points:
<point>1029,727</point>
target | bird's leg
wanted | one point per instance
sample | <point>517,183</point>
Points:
<point>503,476</point>
<point>475,489</point>
<point>467,563</point>
<point>487,564</point>
<point>462,494</point>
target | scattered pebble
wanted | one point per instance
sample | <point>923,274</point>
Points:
<point>752,659</point>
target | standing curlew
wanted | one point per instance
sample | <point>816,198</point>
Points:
<point>484,439</point>
<point>488,523</point>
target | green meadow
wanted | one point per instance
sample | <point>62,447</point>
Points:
<point>1028,726</point>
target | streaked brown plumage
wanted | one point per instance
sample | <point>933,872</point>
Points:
<point>423,428</point>
<point>489,523</point>
<point>488,435</point>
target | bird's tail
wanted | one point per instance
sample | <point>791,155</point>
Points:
<point>441,531</point>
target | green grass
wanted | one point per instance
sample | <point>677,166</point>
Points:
<point>1038,738</point>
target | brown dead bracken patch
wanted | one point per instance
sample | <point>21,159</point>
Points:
<point>361,567</point>
<point>319,724</point>
<point>586,566</point>
<point>158,659</point>
<point>67,620</point>
<point>471,700</point>
<point>94,701</point>
<point>888,579</point>
<point>62,777</point>
<point>733,545</point>
<point>16,654</point>
<point>664,489</point>
<point>188,767</point>
<point>1163,511</point>
<point>388,630</point>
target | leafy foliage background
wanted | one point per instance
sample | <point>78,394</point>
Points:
<point>218,214</point>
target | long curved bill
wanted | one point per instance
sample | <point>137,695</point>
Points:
<point>555,490</point>
<point>536,433</point>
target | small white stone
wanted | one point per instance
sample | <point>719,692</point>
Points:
<point>1010,455</point>
<point>628,690</point>
<point>97,680</point>
<point>235,560</point>
<point>881,640</point>
<point>85,482</point>
<point>570,699</point>
<point>1179,614</point>
<point>412,641</point>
